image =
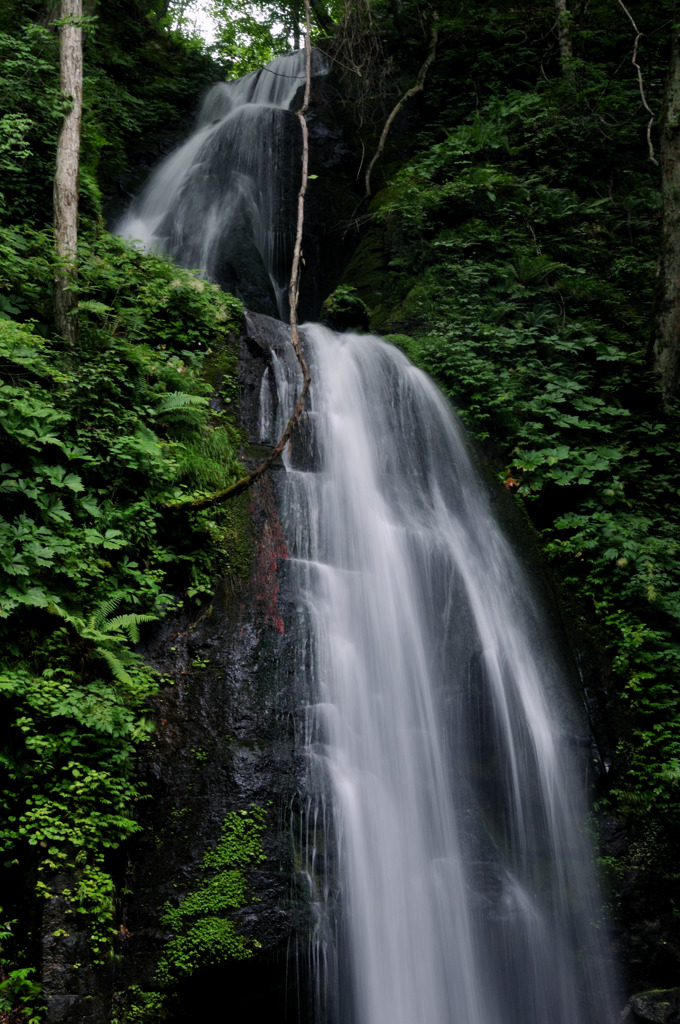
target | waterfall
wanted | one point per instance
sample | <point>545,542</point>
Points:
<point>443,831</point>
<point>466,889</point>
<point>216,204</point>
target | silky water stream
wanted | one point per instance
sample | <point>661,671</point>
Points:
<point>217,203</point>
<point>442,833</point>
<point>455,883</point>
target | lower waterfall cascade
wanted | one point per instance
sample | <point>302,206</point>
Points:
<point>452,881</point>
<point>442,837</point>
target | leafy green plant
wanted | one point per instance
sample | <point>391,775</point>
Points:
<point>137,1006</point>
<point>205,932</point>
<point>534,283</point>
<point>93,445</point>
<point>110,637</point>
<point>20,993</point>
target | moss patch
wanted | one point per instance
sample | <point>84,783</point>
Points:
<point>204,932</point>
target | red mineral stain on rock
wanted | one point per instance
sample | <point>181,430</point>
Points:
<point>270,548</point>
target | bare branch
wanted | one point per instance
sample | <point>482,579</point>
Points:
<point>418,87</point>
<point>645,104</point>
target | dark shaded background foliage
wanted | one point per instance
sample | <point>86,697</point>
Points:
<point>511,250</point>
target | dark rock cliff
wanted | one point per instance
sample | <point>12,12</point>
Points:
<point>223,743</point>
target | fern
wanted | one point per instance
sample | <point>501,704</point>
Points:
<point>109,636</point>
<point>117,667</point>
<point>129,624</point>
<point>178,401</point>
<point>104,610</point>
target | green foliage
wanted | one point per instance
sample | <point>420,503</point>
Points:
<point>89,905</point>
<point>71,793</point>
<point>534,235</point>
<point>240,844</point>
<point>137,1006</point>
<point>20,994</point>
<point>205,933</point>
<point>130,419</point>
<point>250,34</point>
<point>93,443</point>
<point>29,99</point>
<point>344,309</point>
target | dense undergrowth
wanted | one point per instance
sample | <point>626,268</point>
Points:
<point>96,440</point>
<point>513,257</point>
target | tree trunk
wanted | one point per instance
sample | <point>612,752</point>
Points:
<point>66,170</point>
<point>564,39</point>
<point>295,24</point>
<point>665,348</point>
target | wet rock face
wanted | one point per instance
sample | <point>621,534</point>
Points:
<point>224,742</point>
<point>660,1006</point>
<point>74,989</point>
<point>644,894</point>
<point>226,200</point>
<point>331,200</point>
<point>239,266</point>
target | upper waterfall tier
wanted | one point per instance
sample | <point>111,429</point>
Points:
<point>224,202</point>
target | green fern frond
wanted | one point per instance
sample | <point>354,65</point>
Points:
<point>146,442</point>
<point>104,611</point>
<point>73,620</point>
<point>99,625</point>
<point>129,624</point>
<point>118,670</point>
<point>176,401</point>
<point>141,390</point>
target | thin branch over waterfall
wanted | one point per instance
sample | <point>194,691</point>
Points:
<point>293,294</point>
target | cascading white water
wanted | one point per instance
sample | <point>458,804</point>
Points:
<point>467,892</point>
<point>443,821</point>
<point>216,203</point>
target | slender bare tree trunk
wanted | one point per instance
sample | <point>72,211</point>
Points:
<point>641,84</point>
<point>564,39</point>
<point>295,15</point>
<point>66,170</point>
<point>665,348</point>
<point>294,285</point>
